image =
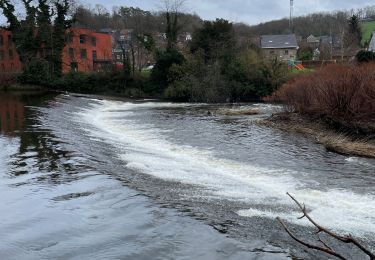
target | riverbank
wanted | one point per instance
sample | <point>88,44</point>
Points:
<point>333,140</point>
<point>21,87</point>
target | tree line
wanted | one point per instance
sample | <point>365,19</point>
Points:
<point>318,24</point>
<point>221,63</point>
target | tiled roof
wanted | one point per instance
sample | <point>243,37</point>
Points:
<point>278,41</point>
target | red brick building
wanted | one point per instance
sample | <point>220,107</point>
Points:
<point>85,51</point>
<point>9,59</point>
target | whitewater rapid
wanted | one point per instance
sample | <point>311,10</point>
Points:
<point>145,148</point>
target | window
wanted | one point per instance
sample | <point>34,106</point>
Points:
<point>12,67</point>
<point>1,40</point>
<point>93,41</point>
<point>94,55</point>
<point>83,54</point>
<point>286,52</point>
<point>11,54</point>
<point>272,52</point>
<point>10,40</point>
<point>74,66</point>
<point>69,37</point>
<point>82,39</point>
<point>2,55</point>
<point>71,53</point>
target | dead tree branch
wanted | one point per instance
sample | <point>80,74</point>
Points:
<point>349,239</point>
<point>324,249</point>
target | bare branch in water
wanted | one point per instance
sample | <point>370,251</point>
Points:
<point>349,239</point>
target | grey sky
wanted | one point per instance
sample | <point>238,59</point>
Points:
<point>248,11</point>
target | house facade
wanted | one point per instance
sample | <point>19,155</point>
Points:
<point>282,47</point>
<point>9,59</point>
<point>85,51</point>
<point>121,40</point>
<point>313,42</point>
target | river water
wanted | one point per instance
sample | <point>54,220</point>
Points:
<point>83,178</point>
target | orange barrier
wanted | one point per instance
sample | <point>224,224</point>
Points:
<point>299,67</point>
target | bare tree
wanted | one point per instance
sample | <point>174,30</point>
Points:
<point>172,9</point>
<point>348,239</point>
<point>172,6</point>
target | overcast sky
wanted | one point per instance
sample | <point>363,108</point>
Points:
<point>248,11</point>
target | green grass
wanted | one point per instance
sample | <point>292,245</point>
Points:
<point>367,29</point>
<point>146,74</point>
<point>305,71</point>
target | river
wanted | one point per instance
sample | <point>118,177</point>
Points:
<point>88,178</point>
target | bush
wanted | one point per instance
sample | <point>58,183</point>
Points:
<point>6,79</point>
<point>305,53</point>
<point>164,61</point>
<point>36,73</point>
<point>365,56</point>
<point>246,78</point>
<point>339,93</point>
<point>196,82</point>
<point>110,82</point>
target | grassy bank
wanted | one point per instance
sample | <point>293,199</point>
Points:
<point>367,29</point>
<point>320,132</point>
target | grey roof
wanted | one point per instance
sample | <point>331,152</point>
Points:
<point>106,30</point>
<point>372,43</point>
<point>278,41</point>
<point>312,39</point>
<point>326,39</point>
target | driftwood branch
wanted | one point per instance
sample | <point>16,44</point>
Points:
<point>324,249</point>
<point>349,239</point>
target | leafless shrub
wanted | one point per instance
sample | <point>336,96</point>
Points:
<point>337,92</point>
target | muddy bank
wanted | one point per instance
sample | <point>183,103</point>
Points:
<point>322,133</point>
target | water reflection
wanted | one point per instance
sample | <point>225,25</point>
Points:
<point>39,150</point>
<point>59,203</point>
<point>12,114</point>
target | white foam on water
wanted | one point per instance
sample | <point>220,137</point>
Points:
<point>342,211</point>
<point>146,150</point>
<point>358,160</point>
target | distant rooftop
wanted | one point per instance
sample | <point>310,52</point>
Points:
<point>278,41</point>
